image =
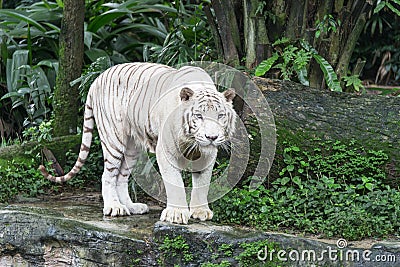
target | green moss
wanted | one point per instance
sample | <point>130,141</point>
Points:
<point>25,152</point>
<point>174,250</point>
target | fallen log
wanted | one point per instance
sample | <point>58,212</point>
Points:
<point>302,114</point>
<point>59,146</point>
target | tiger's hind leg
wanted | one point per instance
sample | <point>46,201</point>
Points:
<point>130,159</point>
<point>112,165</point>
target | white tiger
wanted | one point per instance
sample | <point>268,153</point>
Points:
<point>177,113</point>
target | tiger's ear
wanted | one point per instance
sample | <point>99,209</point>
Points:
<point>186,94</point>
<point>229,94</point>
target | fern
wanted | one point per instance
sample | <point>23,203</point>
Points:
<point>354,81</point>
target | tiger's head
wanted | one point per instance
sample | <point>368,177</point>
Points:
<point>209,118</point>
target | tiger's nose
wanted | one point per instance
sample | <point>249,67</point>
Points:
<point>212,137</point>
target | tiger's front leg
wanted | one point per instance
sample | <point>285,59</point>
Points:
<point>177,208</point>
<point>201,184</point>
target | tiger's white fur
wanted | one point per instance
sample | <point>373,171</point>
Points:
<point>178,114</point>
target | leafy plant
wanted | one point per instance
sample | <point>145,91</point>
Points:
<point>382,56</point>
<point>334,190</point>
<point>175,249</point>
<point>90,173</point>
<point>381,4</point>
<point>221,264</point>
<point>327,25</point>
<point>40,133</point>
<point>90,74</point>
<point>295,58</point>
<point>20,177</point>
<point>188,38</point>
<point>28,87</point>
<point>250,253</point>
<point>354,82</point>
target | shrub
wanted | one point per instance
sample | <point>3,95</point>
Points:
<point>335,190</point>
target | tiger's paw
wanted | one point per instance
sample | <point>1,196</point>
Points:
<point>116,209</point>
<point>137,208</point>
<point>203,213</point>
<point>175,215</point>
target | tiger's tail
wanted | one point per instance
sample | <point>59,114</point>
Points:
<point>88,126</point>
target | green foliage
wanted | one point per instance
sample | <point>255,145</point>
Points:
<point>327,25</point>
<point>221,264</point>
<point>335,190</point>
<point>20,177</point>
<point>354,82</point>
<point>381,55</point>
<point>266,65</point>
<point>188,39</point>
<point>174,249</point>
<point>40,133</point>
<point>28,87</point>
<point>294,58</point>
<point>249,255</point>
<point>330,76</point>
<point>90,74</point>
<point>381,4</point>
<point>91,171</point>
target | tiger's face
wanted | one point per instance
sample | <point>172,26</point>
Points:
<point>209,119</point>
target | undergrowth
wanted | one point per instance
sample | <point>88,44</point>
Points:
<point>21,177</point>
<point>337,190</point>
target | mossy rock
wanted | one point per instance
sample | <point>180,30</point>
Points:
<point>59,146</point>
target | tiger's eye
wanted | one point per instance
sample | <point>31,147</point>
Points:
<point>199,116</point>
<point>222,115</point>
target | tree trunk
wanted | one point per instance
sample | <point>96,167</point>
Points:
<point>264,22</point>
<point>255,34</point>
<point>66,98</point>
<point>228,31</point>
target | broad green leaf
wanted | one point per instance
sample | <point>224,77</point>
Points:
<point>302,75</point>
<point>329,73</point>
<point>290,168</point>
<point>145,28</point>
<point>55,28</point>
<point>24,90</point>
<point>103,20</point>
<point>88,37</point>
<point>285,180</point>
<point>60,3</point>
<point>22,17</point>
<point>266,65</point>
<point>369,186</point>
<point>297,181</point>
<point>14,71</point>
<point>10,94</point>
<point>95,53</point>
